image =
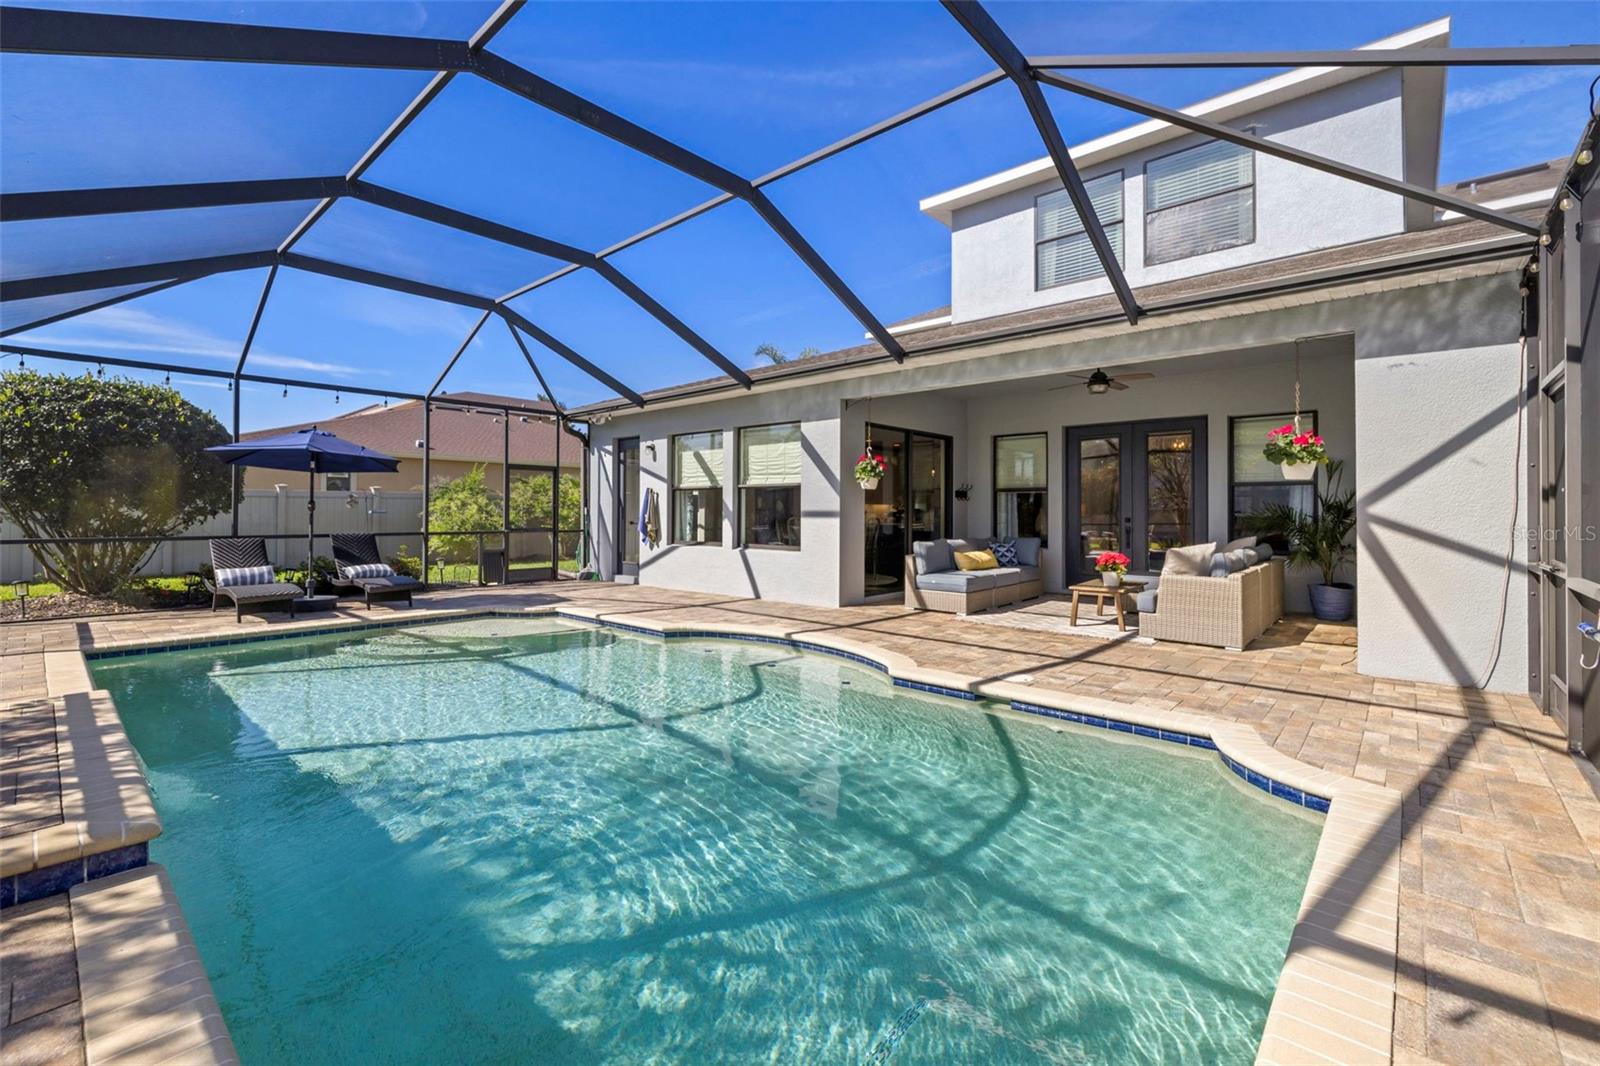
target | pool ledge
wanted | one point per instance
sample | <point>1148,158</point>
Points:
<point>1334,1000</point>
<point>105,817</point>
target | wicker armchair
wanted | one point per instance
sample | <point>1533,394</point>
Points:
<point>1223,612</point>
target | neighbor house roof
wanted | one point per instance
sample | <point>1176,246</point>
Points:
<point>1245,100</point>
<point>1451,244</point>
<point>453,433</point>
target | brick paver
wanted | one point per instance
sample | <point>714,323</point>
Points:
<point>1499,942</point>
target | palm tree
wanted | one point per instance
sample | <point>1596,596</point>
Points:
<point>1321,539</point>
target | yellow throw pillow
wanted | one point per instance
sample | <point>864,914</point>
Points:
<point>978,560</point>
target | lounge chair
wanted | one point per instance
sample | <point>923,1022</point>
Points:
<point>360,567</point>
<point>241,573</point>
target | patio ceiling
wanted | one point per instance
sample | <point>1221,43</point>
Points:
<point>274,222</point>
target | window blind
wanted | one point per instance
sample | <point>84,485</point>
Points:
<point>1249,437</point>
<point>1019,462</point>
<point>698,460</point>
<point>1073,258</point>
<point>1223,221</point>
<point>1054,215</point>
<point>770,455</point>
<point>1198,172</point>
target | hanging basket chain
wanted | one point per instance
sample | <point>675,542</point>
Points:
<point>1297,387</point>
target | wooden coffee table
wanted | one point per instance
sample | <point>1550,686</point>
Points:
<point>1100,592</point>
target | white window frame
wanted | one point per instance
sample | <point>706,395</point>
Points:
<point>674,488</point>
<point>327,485</point>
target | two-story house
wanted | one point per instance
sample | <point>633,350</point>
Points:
<point>1030,405</point>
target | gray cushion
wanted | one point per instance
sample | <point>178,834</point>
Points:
<point>1028,551</point>
<point>932,556</point>
<point>1242,542</point>
<point>1264,552</point>
<point>1219,565</point>
<point>1029,573</point>
<point>1251,556</point>
<point>1193,559</point>
<point>958,581</point>
<point>1145,602</point>
<point>1238,560</point>
<point>965,545</point>
<point>1006,576</point>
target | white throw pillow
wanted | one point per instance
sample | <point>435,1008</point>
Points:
<point>1193,559</point>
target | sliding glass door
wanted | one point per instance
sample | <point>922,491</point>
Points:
<point>1137,488</point>
<point>911,502</point>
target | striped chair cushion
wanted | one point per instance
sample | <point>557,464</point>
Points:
<point>367,570</point>
<point>244,575</point>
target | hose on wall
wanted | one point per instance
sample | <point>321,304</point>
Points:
<point>1511,538</point>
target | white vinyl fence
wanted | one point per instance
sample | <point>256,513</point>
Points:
<point>262,512</point>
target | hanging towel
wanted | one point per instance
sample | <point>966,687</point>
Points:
<point>653,523</point>
<point>644,517</point>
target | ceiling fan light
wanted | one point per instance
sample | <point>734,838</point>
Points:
<point>1099,383</point>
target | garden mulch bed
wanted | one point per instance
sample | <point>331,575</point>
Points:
<point>64,605</point>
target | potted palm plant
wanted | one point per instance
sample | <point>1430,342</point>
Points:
<point>1320,540</point>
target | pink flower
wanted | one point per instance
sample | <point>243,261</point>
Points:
<point>1304,438</point>
<point>1316,440</point>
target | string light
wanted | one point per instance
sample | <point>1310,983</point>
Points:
<point>167,380</point>
<point>335,395</point>
<point>100,370</point>
<point>286,392</point>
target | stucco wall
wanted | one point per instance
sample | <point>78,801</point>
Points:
<point>1438,483</point>
<point>1255,388</point>
<point>1297,209</point>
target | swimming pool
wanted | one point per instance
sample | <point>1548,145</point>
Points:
<point>518,840</point>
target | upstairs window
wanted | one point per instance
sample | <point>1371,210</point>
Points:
<point>1199,200</point>
<point>697,488</point>
<point>1062,250</point>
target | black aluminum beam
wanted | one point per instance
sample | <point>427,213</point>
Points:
<point>553,97</point>
<point>495,231</point>
<point>54,32</point>
<point>1294,155</point>
<point>1556,55</point>
<point>549,393</point>
<point>984,30</point>
<point>110,277</point>
<point>451,365</point>
<point>73,203</point>
<point>521,322</point>
<point>330,269</point>
<point>97,305</point>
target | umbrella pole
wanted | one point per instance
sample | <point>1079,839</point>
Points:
<point>311,523</point>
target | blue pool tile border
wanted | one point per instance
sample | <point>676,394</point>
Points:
<point>51,880</point>
<point>1276,789</point>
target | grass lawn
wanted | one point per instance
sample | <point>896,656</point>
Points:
<point>40,589</point>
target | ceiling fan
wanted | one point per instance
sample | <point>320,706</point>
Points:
<point>1100,382</point>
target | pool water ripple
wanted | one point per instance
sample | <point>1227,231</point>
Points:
<point>498,840</point>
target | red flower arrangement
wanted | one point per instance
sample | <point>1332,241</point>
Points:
<point>870,466</point>
<point>1112,563</point>
<point>1286,445</point>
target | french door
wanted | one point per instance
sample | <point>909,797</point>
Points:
<point>1137,488</point>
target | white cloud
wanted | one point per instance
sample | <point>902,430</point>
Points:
<point>1502,91</point>
<point>130,329</point>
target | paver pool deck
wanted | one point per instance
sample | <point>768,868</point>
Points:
<point>1490,854</point>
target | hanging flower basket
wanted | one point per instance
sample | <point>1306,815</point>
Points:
<point>869,468</point>
<point>1297,454</point>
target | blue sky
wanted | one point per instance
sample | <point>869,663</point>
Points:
<point>749,85</point>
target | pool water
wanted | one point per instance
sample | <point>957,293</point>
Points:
<point>504,840</point>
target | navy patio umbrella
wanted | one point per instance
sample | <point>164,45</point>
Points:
<point>316,451</point>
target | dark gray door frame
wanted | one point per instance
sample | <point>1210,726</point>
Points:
<point>1134,437</point>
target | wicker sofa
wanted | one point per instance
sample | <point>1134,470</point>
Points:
<point>934,584</point>
<point>1221,611</point>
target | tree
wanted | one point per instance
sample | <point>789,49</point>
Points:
<point>461,505</point>
<point>775,355</point>
<point>94,457</point>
